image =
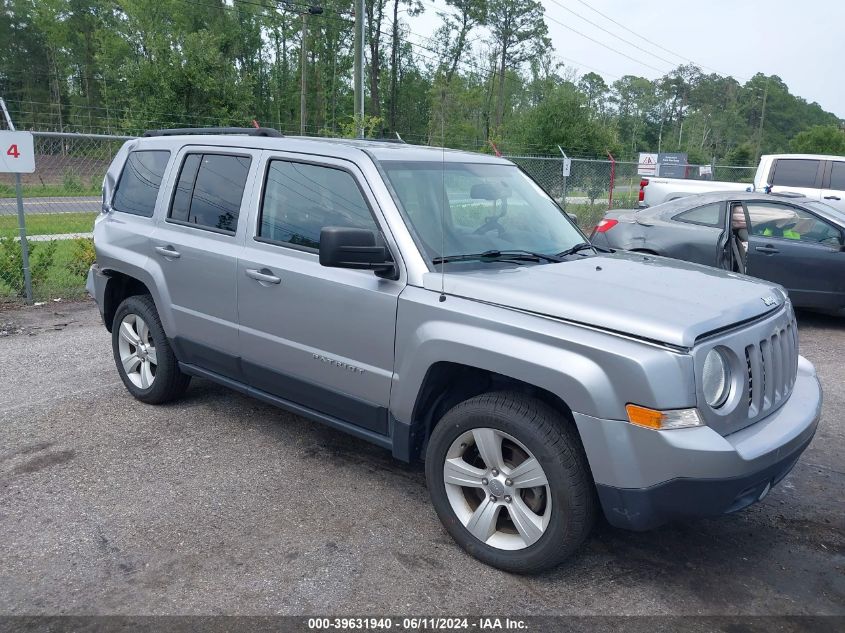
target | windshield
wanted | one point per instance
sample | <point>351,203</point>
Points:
<point>469,208</point>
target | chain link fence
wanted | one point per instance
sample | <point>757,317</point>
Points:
<point>591,188</point>
<point>61,199</point>
<point>594,185</point>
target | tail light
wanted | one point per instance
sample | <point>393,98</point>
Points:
<point>643,185</point>
<point>605,225</point>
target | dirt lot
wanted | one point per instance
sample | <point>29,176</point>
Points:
<point>223,505</point>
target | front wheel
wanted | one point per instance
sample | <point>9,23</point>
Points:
<point>510,482</point>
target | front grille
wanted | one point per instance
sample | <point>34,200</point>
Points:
<point>772,364</point>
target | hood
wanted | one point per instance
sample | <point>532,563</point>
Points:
<point>649,297</point>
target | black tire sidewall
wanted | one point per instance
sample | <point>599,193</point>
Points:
<point>561,536</point>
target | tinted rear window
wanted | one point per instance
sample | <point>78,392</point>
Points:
<point>140,181</point>
<point>794,172</point>
<point>209,191</point>
<point>709,214</point>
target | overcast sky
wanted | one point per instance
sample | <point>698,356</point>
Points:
<point>801,41</point>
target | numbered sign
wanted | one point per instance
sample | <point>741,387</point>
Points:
<point>647,165</point>
<point>17,153</point>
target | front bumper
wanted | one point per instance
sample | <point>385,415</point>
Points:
<point>646,478</point>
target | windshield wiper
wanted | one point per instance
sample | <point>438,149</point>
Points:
<point>575,249</point>
<point>498,256</point>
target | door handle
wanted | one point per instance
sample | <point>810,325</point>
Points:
<point>832,198</point>
<point>766,249</point>
<point>264,275</point>
<point>168,251</point>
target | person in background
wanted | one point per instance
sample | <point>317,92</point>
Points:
<point>739,236</point>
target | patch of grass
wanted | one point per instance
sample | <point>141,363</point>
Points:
<point>69,188</point>
<point>48,223</point>
<point>64,279</point>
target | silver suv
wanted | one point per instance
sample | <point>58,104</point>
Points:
<point>439,304</point>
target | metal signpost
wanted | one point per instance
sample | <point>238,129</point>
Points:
<point>567,170</point>
<point>17,156</point>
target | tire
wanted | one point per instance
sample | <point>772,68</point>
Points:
<point>562,513</point>
<point>150,371</point>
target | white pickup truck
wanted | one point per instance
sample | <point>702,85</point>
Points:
<point>815,176</point>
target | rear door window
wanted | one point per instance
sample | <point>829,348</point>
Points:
<point>795,172</point>
<point>140,181</point>
<point>209,191</point>
<point>708,215</point>
<point>837,176</point>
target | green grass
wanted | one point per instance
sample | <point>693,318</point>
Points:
<point>48,223</point>
<point>51,191</point>
<point>60,282</point>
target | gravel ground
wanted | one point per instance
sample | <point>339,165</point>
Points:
<point>223,505</point>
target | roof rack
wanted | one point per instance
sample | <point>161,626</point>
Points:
<point>368,139</point>
<point>786,194</point>
<point>194,131</point>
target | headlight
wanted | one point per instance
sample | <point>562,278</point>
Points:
<point>716,378</point>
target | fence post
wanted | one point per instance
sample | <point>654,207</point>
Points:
<point>564,175</point>
<point>612,179</point>
<point>27,275</point>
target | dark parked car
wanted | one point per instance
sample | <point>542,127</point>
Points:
<point>785,238</point>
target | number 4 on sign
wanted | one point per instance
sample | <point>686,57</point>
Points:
<point>17,152</point>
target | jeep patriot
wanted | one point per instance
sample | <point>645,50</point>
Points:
<point>441,305</point>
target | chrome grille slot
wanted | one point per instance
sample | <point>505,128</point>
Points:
<point>768,384</point>
<point>749,378</point>
<point>785,354</point>
<point>777,367</point>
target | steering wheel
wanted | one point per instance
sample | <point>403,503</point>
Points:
<point>491,222</point>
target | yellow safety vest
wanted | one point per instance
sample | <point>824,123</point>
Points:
<point>788,234</point>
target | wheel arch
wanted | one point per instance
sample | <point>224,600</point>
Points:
<point>447,384</point>
<point>119,286</point>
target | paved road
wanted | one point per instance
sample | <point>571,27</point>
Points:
<point>9,206</point>
<point>223,505</point>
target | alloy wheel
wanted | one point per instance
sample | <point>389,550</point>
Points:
<point>137,351</point>
<point>497,489</point>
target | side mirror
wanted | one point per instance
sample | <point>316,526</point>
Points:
<point>573,217</point>
<point>344,247</point>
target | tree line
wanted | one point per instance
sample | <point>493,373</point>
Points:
<point>487,76</point>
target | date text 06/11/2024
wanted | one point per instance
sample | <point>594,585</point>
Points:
<point>417,624</point>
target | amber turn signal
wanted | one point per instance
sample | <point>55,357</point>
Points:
<point>662,420</point>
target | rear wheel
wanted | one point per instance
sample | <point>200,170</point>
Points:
<point>144,358</point>
<point>509,480</point>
